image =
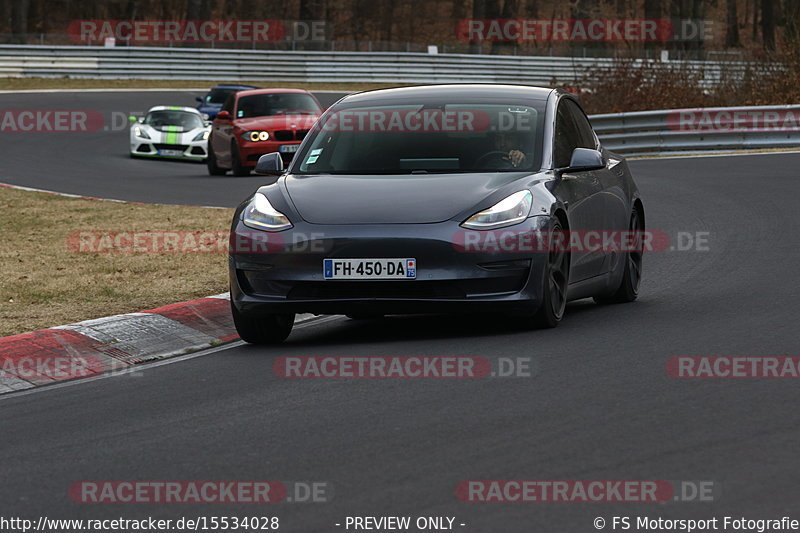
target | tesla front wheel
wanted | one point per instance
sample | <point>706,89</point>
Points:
<point>556,280</point>
<point>262,329</point>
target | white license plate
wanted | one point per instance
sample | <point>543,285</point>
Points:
<point>369,268</point>
<point>288,148</point>
<point>171,153</point>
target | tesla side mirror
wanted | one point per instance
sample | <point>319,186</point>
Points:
<point>270,164</point>
<point>224,115</point>
<point>585,159</point>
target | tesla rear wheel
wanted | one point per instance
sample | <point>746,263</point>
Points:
<point>262,329</point>
<point>556,280</point>
<point>236,162</point>
<point>211,162</point>
<point>628,290</point>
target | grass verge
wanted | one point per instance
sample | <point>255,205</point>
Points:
<point>44,282</point>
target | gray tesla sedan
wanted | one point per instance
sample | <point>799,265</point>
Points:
<point>438,199</point>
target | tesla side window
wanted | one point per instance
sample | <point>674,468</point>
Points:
<point>567,137</point>
<point>436,137</point>
<point>586,138</point>
<point>262,105</point>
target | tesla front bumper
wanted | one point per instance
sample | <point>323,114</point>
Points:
<point>283,272</point>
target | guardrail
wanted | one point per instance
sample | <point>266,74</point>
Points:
<point>646,132</point>
<point>305,66</point>
<point>699,130</point>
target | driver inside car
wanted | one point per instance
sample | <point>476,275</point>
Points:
<point>505,153</point>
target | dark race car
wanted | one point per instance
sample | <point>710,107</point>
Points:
<point>435,199</point>
<point>211,103</point>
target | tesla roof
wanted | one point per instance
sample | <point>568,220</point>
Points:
<point>453,92</point>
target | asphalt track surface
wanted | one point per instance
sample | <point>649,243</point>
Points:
<point>599,405</point>
<point>97,163</point>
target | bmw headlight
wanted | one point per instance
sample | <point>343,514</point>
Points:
<point>139,132</point>
<point>255,136</point>
<point>259,214</point>
<point>509,211</point>
<point>202,136</point>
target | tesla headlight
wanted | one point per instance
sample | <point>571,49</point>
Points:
<point>259,214</point>
<point>202,136</point>
<point>255,136</point>
<point>511,210</point>
<point>139,132</point>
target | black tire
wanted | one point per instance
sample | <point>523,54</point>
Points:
<point>556,281</point>
<point>236,162</point>
<point>628,289</point>
<point>211,162</point>
<point>262,329</point>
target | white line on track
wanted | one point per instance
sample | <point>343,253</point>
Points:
<point>84,197</point>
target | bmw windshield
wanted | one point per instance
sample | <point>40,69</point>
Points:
<point>401,139</point>
<point>262,105</point>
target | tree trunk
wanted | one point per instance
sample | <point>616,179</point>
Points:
<point>792,28</point>
<point>198,10</point>
<point>19,20</point>
<point>732,31</point>
<point>478,12</point>
<point>768,24</point>
<point>510,11</point>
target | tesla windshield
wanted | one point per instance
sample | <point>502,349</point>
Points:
<point>418,138</point>
<point>261,105</point>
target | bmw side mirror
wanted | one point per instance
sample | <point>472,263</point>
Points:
<point>584,159</point>
<point>270,164</point>
<point>224,115</point>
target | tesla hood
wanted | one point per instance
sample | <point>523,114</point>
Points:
<point>390,199</point>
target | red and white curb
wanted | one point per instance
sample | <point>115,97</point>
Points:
<point>95,347</point>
